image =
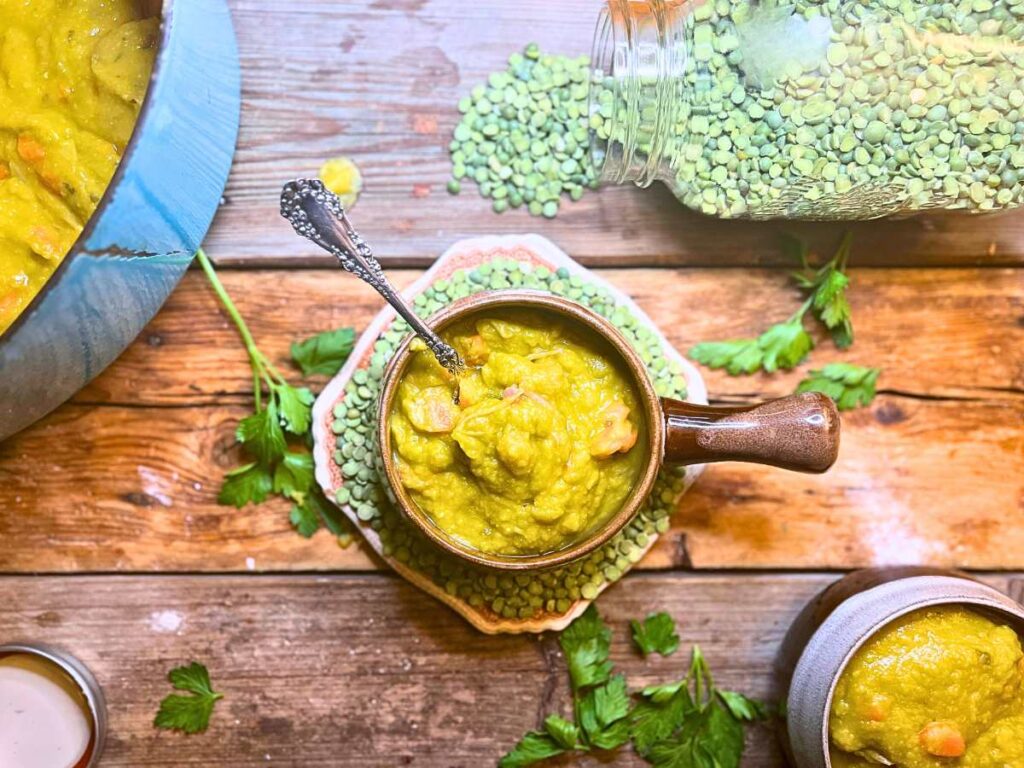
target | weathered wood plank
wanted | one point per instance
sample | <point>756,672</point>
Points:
<point>101,488</point>
<point>126,478</point>
<point>366,671</point>
<point>935,333</point>
<point>379,80</point>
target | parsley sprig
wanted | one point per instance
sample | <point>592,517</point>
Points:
<point>190,714</point>
<point>851,386</point>
<point>686,724</point>
<point>783,346</point>
<point>277,436</point>
<point>693,724</point>
<point>827,288</point>
<point>786,345</point>
<point>655,634</point>
<point>600,699</point>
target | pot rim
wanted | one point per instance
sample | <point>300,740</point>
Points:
<point>78,247</point>
<point>914,593</point>
<point>575,312</point>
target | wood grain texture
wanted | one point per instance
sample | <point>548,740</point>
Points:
<point>365,670</point>
<point>125,477</point>
<point>379,80</point>
<point>951,333</point>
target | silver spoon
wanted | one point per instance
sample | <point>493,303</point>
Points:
<point>316,213</point>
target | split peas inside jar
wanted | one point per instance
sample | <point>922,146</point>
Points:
<point>813,109</point>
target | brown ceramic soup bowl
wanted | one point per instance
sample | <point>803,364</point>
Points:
<point>799,433</point>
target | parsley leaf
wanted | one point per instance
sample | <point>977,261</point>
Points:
<point>657,634</point>
<point>304,520</point>
<point>692,724</point>
<point>827,286</point>
<point>586,644</point>
<point>262,435</point>
<point>744,708</point>
<point>566,734</point>
<point>784,346</point>
<point>660,694</point>
<point>190,714</point>
<point>293,476</point>
<point>709,738</point>
<point>531,749</point>
<point>295,406</point>
<point>324,353</point>
<point>602,714</point>
<point>311,510</point>
<point>659,714</point>
<point>248,484</point>
<point>851,386</point>
<point>282,420</point>
<point>332,518</point>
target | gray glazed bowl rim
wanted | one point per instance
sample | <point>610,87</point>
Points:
<point>78,247</point>
<point>82,676</point>
<point>987,598</point>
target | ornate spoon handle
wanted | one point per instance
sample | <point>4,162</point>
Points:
<point>316,213</point>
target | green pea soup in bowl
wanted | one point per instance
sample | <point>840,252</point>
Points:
<point>556,435</point>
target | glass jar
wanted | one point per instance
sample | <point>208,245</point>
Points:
<point>813,109</point>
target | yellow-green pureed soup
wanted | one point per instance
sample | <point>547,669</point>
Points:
<point>939,688</point>
<point>73,74</point>
<point>545,445</point>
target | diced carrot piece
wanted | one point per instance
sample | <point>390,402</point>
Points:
<point>8,302</point>
<point>476,350</point>
<point>878,709</point>
<point>30,150</point>
<point>5,171</point>
<point>942,739</point>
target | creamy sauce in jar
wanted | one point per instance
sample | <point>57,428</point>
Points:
<point>45,720</point>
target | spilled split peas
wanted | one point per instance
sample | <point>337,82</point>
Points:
<point>365,491</point>
<point>523,138</point>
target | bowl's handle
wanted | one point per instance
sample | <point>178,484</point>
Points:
<point>800,432</point>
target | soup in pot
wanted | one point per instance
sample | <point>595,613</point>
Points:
<point>73,75</point>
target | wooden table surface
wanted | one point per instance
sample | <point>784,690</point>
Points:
<point>112,544</point>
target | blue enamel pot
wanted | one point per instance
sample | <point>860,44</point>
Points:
<point>150,222</point>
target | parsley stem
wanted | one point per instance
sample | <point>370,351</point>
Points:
<point>228,304</point>
<point>843,254</point>
<point>262,368</point>
<point>799,314</point>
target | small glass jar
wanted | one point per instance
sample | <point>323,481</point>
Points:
<point>813,109</point>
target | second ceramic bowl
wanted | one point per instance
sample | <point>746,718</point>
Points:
<point>839,621</point>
